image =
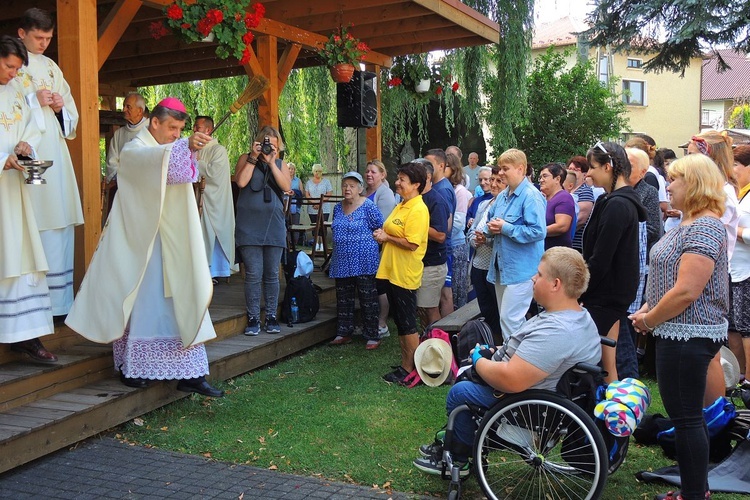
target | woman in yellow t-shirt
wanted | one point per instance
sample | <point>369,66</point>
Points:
<point>404,240</point>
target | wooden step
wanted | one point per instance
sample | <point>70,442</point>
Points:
<point>45,424</point>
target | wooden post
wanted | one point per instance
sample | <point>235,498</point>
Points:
<point>77,43</point>
<point>375,134</point>
<point>267,52</point>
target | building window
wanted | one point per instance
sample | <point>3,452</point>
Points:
<point>705,117</point>
<point>635,63</point>
<point>604,70</point>
<point>634,92</point>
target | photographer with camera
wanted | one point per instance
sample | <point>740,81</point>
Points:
<point>260,229</point>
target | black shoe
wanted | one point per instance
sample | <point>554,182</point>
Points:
<point>272,325</point>
<point>138,383</point>
<point>199,385</point>
<point>396,376</point>
<point>34,349</point>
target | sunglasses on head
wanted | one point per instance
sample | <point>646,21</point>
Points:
<point>600,146</point>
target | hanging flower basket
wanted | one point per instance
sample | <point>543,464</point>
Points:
<point>342,73</point>
<point>227,22</point>
<point>344,51</point>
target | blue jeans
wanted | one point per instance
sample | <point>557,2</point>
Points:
<point>681,368</point>
<point>466,392</point>
<point>261,266</point>
<point>487,300</point>
<point>625,354</point>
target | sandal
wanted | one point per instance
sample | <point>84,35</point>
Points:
<point>340,340</point>
<point>372,344</point>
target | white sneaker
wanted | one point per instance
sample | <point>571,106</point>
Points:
<point>319,247</point>
<point>383,332</point>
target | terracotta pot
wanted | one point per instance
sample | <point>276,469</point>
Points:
<point>342,73</point>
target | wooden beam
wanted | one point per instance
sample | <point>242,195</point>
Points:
<point>286,63</point>
<point>268,111</point>
<point>464,16</point>
<point>197,75</point>
<point>364,17</point>
<point>77,41</point>
<point>106,89</point>
<point>333,8</point>
<point>253,67</point>
<point>310,40</point>
<point>417,48</point>
<point>419,37</point>
<point>196,55</point>
<point>374,135</point>
<point>114,25</point>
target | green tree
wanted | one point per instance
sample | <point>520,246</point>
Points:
<point>740,116</point>
<point>568,110</point>
<point>675,31</point>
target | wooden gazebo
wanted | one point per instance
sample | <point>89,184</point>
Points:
<point>45,408</point>
<point>111,38</point>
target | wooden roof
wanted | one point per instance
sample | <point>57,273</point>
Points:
<point>389,27</point>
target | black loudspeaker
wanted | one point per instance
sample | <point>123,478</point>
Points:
<point>356,101</point>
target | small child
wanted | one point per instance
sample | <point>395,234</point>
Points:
<point>570,182</point>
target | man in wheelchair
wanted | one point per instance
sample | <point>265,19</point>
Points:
<point>534,357</point>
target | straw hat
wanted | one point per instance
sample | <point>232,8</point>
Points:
<point>730,366</point>
<point>433,360</point>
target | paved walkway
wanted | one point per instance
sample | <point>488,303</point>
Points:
<point>103,467</point>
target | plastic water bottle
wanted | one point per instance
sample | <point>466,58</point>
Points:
<point>295,310</point>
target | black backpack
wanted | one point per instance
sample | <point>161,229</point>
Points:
<point>306,292</point>
<point>472,333</point>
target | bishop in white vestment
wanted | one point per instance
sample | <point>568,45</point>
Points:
<point>154,303</point>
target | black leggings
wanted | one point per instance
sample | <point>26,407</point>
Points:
<point>681,368</point>
<point>403,305</point>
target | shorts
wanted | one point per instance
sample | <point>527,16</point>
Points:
<point>739,307</point>
<point>433,278</point>
<point>403,305</point>
<point>604,317</point>
<point>449,275</point>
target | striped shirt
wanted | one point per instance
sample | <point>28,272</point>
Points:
<point>584,193</point>
<point>706,317</point>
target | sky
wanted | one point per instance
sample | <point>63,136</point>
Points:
<point>550,10</point>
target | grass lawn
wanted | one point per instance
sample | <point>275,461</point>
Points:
<point>327,413</point>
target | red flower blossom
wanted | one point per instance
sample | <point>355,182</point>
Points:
<point>439,90</point>
<point>204,26</point>
<point>248,38</point>
<point>185,26</point>
<point>174,11</point>
<point>245,57</point>
<point>394,82</point>
<point>260,9</point>
<point>215,15</point>
<point>455,86</point>
<point>336,38</point>
<point>157,30</point>
<point>252,20</point>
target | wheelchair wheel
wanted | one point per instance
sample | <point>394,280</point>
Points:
<point>539,445</point>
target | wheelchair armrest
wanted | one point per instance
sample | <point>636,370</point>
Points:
<point>607,341</point>
<point>588,368</point>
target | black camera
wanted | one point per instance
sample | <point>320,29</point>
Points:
<point>265,146</point>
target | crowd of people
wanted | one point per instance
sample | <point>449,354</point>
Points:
<point>619,241</point>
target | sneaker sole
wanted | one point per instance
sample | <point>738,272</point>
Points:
<point>463,473</point>
<point>273,331</point>
<point>252,334</point>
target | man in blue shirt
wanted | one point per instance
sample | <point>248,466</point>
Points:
<point>442,185</point>
<point>436,257</point>
<point>517,225</point>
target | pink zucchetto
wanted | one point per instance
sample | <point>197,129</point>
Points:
<point>173,103</point>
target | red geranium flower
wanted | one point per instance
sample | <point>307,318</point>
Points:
<point>248,38</point>
<point>204,26</point>
<point>439,90</point>
<point>455,86</point>
<point>185,26</point>
<point>174,11</point>
<point>215,15</point>
<point>245,57</point>
<point>394,82</point>
<point>260,9</point>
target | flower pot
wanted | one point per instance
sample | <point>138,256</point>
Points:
<point>209,38</point>
<point>423,86</point>
<point>342,73</point>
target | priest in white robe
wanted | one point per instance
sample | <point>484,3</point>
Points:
<point>154,303</point>
<point>133,110</point>
<point>57,204</point>
<point>217,219</point>
<point>25,310</point>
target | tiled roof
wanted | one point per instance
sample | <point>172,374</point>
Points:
<point>559,33</point>
<point>731,83</point>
